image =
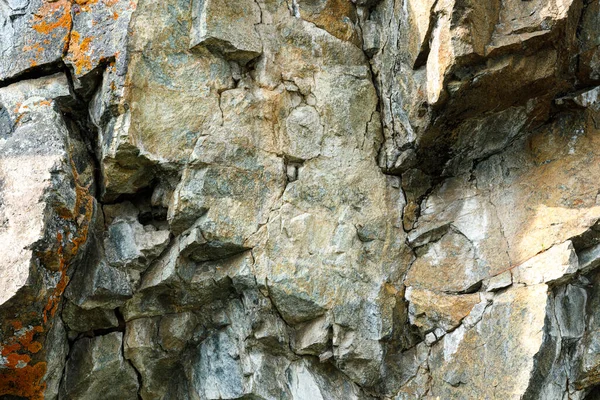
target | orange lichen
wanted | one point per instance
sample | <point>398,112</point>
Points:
<point>79,50</point>
<point>38,51</point>
<point>43,103</point>
<point>24,382</point>
<point>52,16</point>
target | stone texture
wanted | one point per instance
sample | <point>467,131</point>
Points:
<point>47,209</point>
<point>300,199</point>
<point>34,34</point>
<point>212,28</point>
<point>97,370</point>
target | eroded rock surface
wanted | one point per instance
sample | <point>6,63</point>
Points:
<point>308,200</point>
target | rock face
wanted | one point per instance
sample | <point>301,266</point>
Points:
<point>307,200</point>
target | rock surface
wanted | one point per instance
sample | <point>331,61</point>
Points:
<point>308,200</point>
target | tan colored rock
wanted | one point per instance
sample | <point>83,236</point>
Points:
<point>502,346</point>
<point>430,310</point>
<point>312,337</point>
<point>212,28</point>
<point>556,264</point>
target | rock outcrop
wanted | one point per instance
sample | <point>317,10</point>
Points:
<point>294,199</point>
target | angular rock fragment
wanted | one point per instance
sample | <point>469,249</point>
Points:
<point>227,27</point>
<point>98,34</point>
<point>129,244</point>
<point>429,310</point>
<point>556,264</point>
<point>81,320</point>
<point>97,370</point>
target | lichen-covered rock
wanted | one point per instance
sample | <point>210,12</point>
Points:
<point>47,209</point>
<point>34,34</point>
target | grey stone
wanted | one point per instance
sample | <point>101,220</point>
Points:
<point>97,370</point>
<point>81,320</point>
<point>218,374</point>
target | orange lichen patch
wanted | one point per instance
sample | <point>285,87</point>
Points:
<point>9,349</point>
<point>43,103</point>
<point>115,16</point>
<point>54,299</point>
<point>24,382</point>
<point>16,354</point>
<point>79,50</point>
<point>38,51</point>
<point>69,247</point>
<point>52,16</point>
<point>17,325</point>
<point>28,343</point>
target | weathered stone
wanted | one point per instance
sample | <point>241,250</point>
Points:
<point>129,244</point>
<point>313,337</point>
<point>502,372</point>
<point>499,281</point>
<point>97,284</point>
<point>98,34</point>
<point>46,211</point>
<point>80,320</point>
<point>97,370</point>
<point>212,28</point>
<point>429,310</point>
<point>33,33</point>
<point>303,199</point>
<point>555,264</point>
<point>153,362</point>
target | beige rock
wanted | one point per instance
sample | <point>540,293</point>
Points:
<point>556,264</point>
<point>430,310</point>
<point>502,346</point>
<point>212,27</point>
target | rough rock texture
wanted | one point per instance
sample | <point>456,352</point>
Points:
<point>294,199</point>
